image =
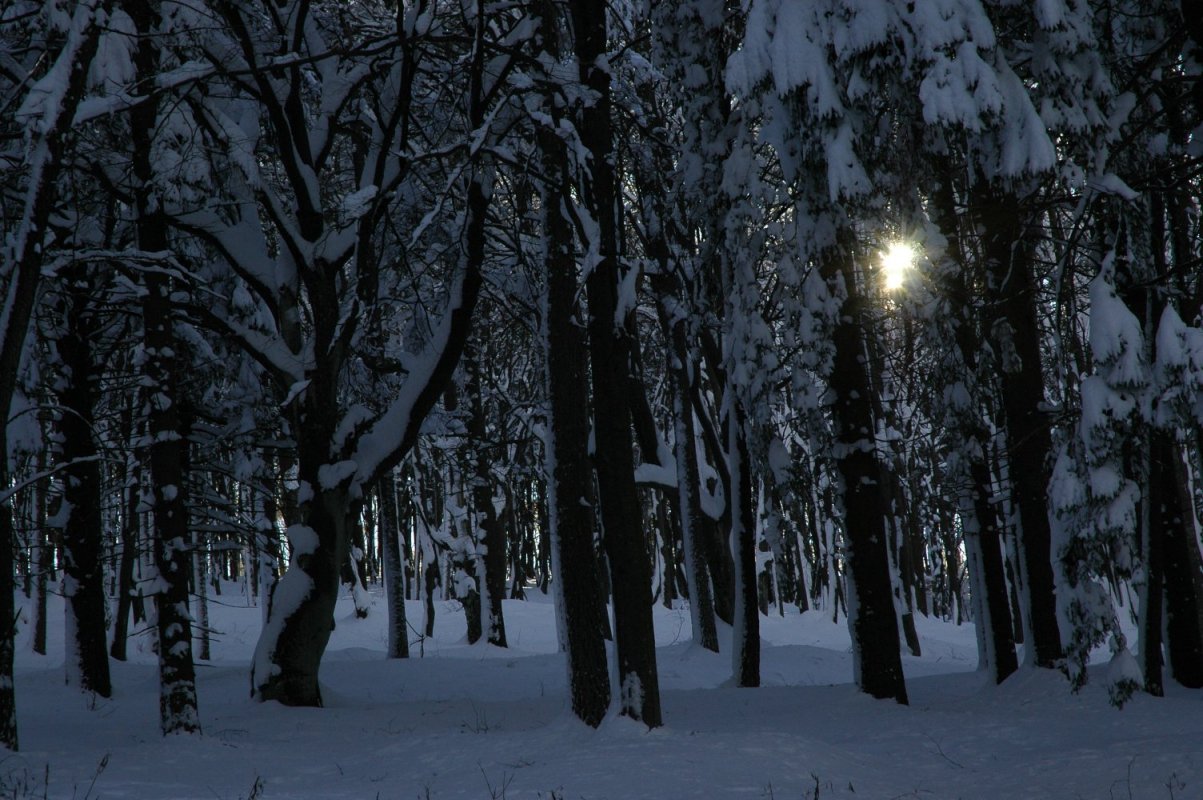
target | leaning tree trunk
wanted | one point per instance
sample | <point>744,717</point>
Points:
<point>21,257</point>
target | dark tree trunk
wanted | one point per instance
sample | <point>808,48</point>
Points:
<point>23,256</point>
<point>689,503</point>
<point>993,577</point>
<point>980,518</point>
<point>177,673</point>
<point>8,619</point>
<point>1174,506</point>
<point>1012,288</point>
<point>570,515</point>
<point>394,571</point>
<point>609,348</point>
<point>82,526</point>
<point>471,601</point>
<point>746,632</point>
<point>43,565</point>
<point>129,541</point>
<point>1154,589</point>
<point>430,580</point>
<point>489,525</point>
<point>878,664</point>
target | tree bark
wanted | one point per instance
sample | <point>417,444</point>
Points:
<point>80,501</point>
<point>970,441</point>
<point>488,523</point>
<point>1015,328</point>
<point>570,515</point>
<point>1183,570</point>
<point>746,631</point>
<point>129,540</point>
<point>871,616</point>
<point>609,349</point>
<point>21,258</point>
<point>394,571</point>
<point>166,449</point>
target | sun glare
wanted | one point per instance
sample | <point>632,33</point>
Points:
<point>896,263</point>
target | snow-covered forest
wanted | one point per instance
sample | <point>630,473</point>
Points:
<point>597,362</point>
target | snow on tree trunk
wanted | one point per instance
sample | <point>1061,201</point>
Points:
<point>609,350</point>
<point>570,515</point>
<point>47,111</point>
<point>488,523</point>
<point>1029,445</point>
<point>166,444</point>
<point>697,576</point>
<point>394,570</point>
<point>877,662</point>
<point>79,514</point>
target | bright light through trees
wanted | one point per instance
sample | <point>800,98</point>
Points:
<point>896,262</point>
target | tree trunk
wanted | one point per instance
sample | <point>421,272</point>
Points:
<point>1183,569</point>
<point>745,647</point>
<point>980,524</point>
<point>87,659</point>
<point>609,349</point>
<point>43,564</point>
<point>358,524</point>
<point>129,540</point>
<point>970,441</point>
<point>489,526</point>
<point>301,617</point>
<point>8,618</point>
<point>876,660</point>
<point>689,504</point>
<point>570,515</point>
<point>21,258</point>
<point>394,571</point>
<point>1015,328</point>
<point>177,673</point>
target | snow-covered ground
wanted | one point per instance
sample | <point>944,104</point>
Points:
<point>456,721</point>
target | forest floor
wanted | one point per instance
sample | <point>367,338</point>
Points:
<point>460,721</point>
